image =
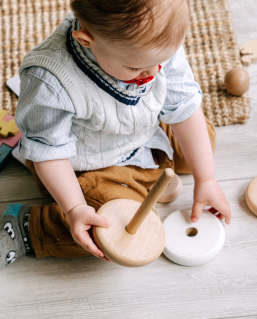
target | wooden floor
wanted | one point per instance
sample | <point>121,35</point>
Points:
<point>90,288</point>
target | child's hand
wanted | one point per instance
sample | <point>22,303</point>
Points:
<point>209,193</point>
<point>81,219</point>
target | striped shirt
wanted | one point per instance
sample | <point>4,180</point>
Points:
<point>45,111</point>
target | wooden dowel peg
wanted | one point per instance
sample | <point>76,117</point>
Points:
<point>150,200</point>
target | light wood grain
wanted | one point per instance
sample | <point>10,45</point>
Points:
<point>248,51</point>
<point>150,200</point>
<point>91,288</point>
<point>251,196</point>
<point>123,248</point>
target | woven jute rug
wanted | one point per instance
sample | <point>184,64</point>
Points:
<point>210,46</point>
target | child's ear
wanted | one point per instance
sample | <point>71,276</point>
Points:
<point>83,37</point>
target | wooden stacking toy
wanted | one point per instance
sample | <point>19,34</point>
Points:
<point>193,244</point>
<point>136,236</point>
<point>251,196</point>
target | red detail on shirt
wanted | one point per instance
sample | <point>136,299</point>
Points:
<point>145,80</point>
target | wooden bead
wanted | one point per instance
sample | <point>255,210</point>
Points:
<point>172,191</point>
<point>237,81</point>
<point>251,196</point>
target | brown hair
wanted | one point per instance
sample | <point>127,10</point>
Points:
<point>150,23</point>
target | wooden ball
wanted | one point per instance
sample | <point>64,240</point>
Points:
<point>123,248</point>
<point>251,196</point>
<point>237,81</point>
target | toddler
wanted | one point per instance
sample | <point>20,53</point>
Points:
<point>107,102</point>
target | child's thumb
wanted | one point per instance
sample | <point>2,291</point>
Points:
<point>98,220</point>
<point>196,211</point>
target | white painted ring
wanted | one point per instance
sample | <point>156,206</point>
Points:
<point>199,249</point>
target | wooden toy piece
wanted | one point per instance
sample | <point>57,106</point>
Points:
<point>237,81</point>
<point>136,236</point>
<point>172,191</point>
<point>7,143</point>
<point>7,128</point>
<point>5,152</point>
<point>14,84</point>
<point>251,196</point>
<point>7,125</point>
<point>248,52</point>
<point>11,141</point>
<point>192,244</point>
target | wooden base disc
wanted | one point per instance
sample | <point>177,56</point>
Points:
<point>120,246</point>
<point>250,196</point>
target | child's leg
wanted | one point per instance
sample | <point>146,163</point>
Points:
<point>50,233</point>
<point>49,227</point>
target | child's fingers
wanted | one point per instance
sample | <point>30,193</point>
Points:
<point>87,243</point>
<point>93,249</point>
<point>224,211</point>
<point>196,211</point>
<point>216,213</point>
<point>97,220</point>
<point>220,217</point>
<point>212,210</point>
<point>104,258</point>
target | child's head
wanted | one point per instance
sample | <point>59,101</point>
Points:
<point>129,38</point>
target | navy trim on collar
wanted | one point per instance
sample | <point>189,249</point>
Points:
<point>96,77</point>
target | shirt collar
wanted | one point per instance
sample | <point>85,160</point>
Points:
<point>91,57</point>
<point>141,89</point>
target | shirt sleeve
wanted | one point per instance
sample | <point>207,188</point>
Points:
<point>184,95</point>
<point>44,116</point>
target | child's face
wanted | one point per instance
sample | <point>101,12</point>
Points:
<point>124,61</point>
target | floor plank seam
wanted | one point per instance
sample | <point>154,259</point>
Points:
<point>25,199</point>
<point>251,316</point>
<point>225,180</point>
